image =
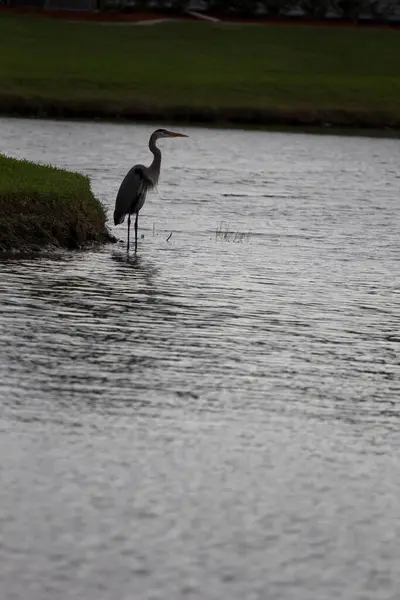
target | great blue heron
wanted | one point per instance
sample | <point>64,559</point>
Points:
<point>139,179</point>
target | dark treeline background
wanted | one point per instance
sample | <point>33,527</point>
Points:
<point>356,11</point>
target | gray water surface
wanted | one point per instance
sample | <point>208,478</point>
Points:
<point>219,418</point>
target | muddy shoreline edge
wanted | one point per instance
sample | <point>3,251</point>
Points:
<point>47,208</point>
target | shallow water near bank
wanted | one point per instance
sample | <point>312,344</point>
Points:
<point>218,417</point>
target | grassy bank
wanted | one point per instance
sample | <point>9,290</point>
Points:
<point>41,205</point>
<point>278,74</point>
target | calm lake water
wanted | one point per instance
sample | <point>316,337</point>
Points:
<point>219,419</point>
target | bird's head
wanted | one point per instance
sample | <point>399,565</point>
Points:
<point>164,133</point>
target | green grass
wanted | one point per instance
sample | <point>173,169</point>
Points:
<point>201,71</point>
<point>42,205</point>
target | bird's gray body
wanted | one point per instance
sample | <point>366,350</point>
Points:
<point>137,182</point>
<point>132,193</point>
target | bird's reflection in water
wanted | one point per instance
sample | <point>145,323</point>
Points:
<point>133,262</point>
<point>123,257</point>
<point>134,268</point>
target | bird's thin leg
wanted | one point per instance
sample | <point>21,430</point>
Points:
<point>129,227</point>
<point>136,227</point>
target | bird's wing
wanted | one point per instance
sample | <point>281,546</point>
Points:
<point>132,193</point>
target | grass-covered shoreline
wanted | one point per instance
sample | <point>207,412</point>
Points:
<point>46,206</point>
<point>201,72</point>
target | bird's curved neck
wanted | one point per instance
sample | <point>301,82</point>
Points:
<point>157,153</point>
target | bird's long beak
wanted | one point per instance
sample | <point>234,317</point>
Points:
<point>176,134</point>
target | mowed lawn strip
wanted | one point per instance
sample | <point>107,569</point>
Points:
<point>188,68</point>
